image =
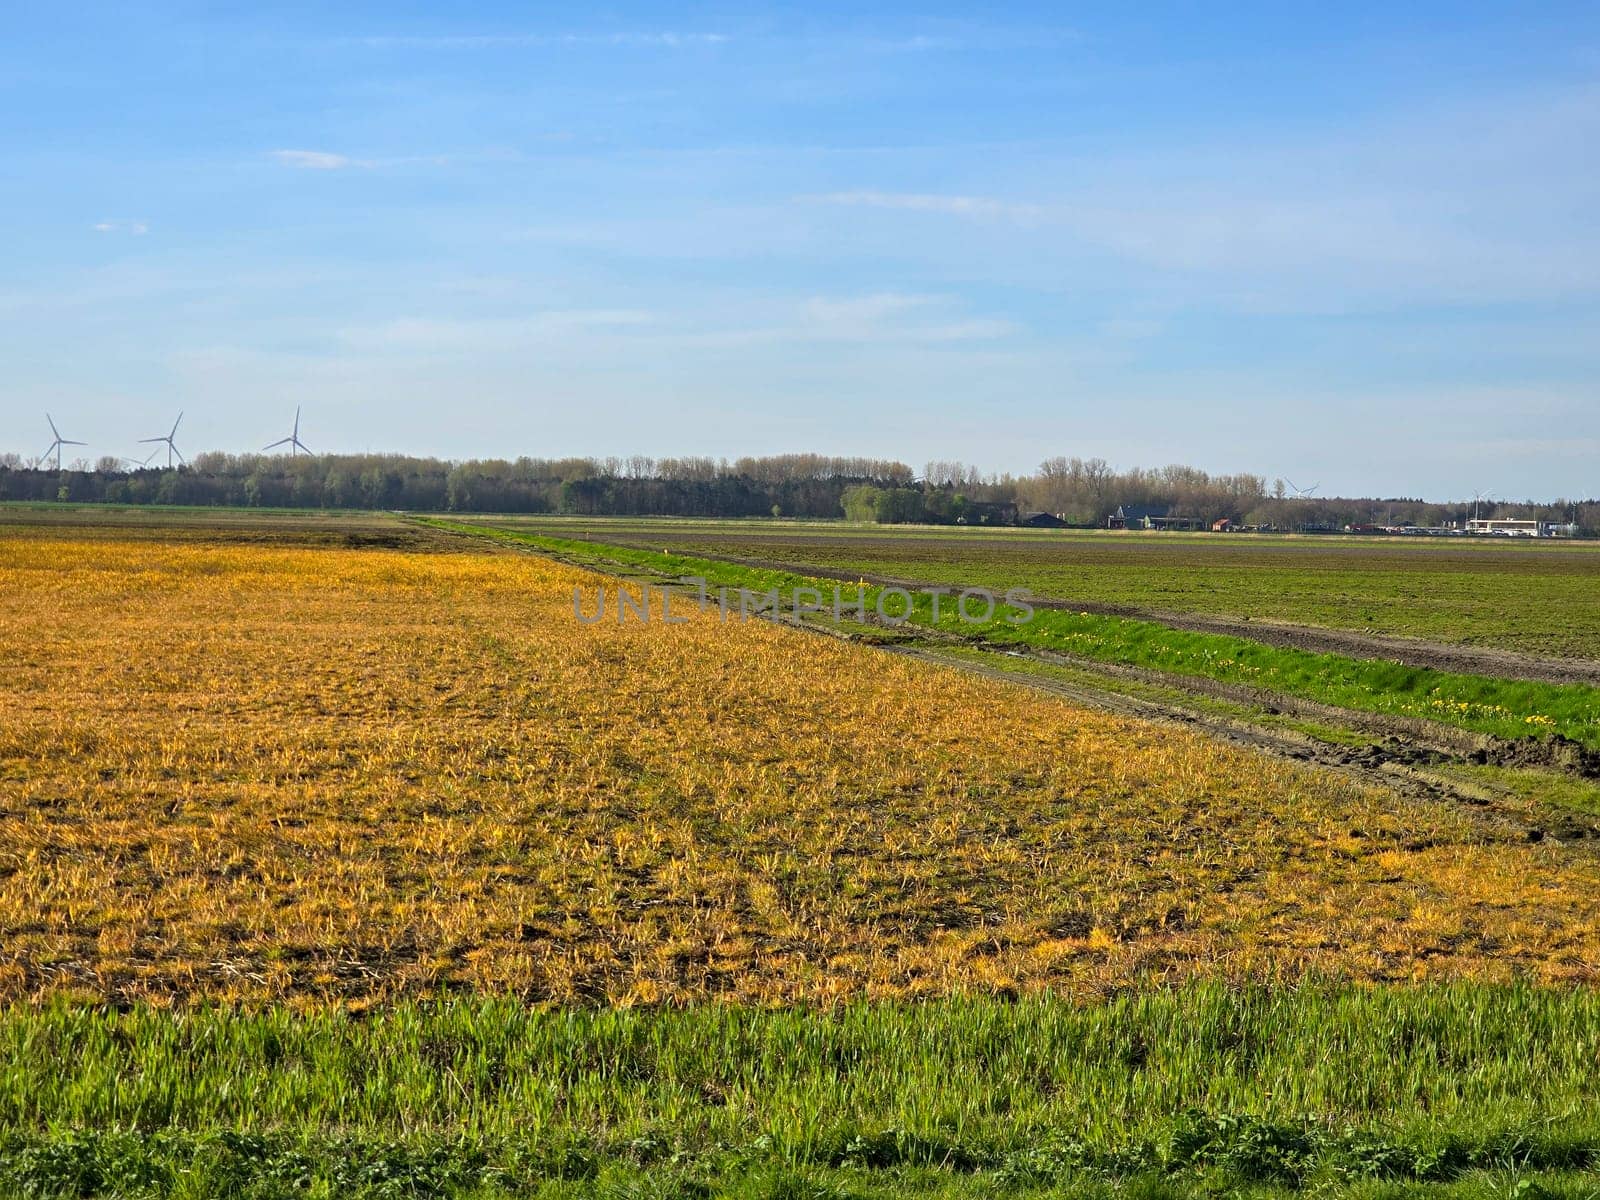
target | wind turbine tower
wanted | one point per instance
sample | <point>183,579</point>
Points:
<point>292,441</point>
<point>172,447</point>
<point>60,441</point>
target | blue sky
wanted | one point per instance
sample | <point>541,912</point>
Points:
<point>1336,242</point>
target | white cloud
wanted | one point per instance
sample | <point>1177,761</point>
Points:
<point>875,307</point>
<point>961,36</point>
<point>321,160</point>
<point>945,36</point>
<point>453,335</point>
<point>315,160</point>
<point>956,206</point>
<point>132,228</point>
<point>1482,203</point>
<point>667,39</point>
<point>892,317</point>
<point>874,319</point>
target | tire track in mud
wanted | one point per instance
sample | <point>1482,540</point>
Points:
<point>1399,764</point>
<point>1412,652</point>
<point>1396,765</point>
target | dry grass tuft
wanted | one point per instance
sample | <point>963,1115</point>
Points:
<point>256,773</point>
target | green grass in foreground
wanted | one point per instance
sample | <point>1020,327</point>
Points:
<point>1156,1093</point>
<point>1500,707</point>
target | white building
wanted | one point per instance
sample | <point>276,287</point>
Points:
<point>1505,527</point>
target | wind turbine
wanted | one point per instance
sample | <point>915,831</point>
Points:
<point>1301,493</point>
<point>292,441</point>
<point>172,447</point>
<point>59,442</point>
<point>1478,498</point>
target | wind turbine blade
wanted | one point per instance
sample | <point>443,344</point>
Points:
<point>70,442</point>
<point>274,445</point>
<point>181,458</point>
<point>53,430</point>
<point>142,441</point>
<point>175,425</point>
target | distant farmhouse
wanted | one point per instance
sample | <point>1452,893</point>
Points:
<point>1041,520</point>
<point>1143,516</point>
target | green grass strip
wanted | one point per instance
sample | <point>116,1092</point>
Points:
<point>1289,1088</point>
<point>1503,708</point>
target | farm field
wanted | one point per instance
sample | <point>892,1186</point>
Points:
<point>251,772</point>
<point>347,861</point>
<point>1553,703</point>
<point>333,528</point>
<point>1538,598</point>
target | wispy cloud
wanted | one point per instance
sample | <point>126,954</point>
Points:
<point>463,335</point>
<point>876,307</point>
<point>959,37</point>
<point>132,228</point>
<point>665,39</point>
<point>324,160</point>
<point>1462,203</point>
<point>930,202</point>
<point>894,317</point>
<point>315,160</point>
<point>882,319</point>
<point>945,37</point>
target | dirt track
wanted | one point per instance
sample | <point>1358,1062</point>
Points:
<point>1398,764</point>
<point>1414,652</point>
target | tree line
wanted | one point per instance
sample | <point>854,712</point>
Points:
<point>802,485</point>
<point>1078,491</point>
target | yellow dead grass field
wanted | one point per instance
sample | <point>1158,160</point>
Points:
<point>253,773</point>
